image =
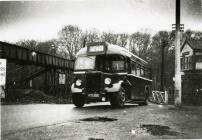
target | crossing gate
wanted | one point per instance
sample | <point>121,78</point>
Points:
<point>159,97</point>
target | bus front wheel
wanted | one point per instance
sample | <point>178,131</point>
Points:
<point>118,99</point>
<point>78,100</point>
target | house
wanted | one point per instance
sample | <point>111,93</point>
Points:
<point>191,68</point>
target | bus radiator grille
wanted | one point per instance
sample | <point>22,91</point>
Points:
<point>93,82</point>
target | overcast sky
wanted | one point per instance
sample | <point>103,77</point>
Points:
<point>41,20</point>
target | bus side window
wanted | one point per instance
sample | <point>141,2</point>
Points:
<point>133,67</point>
<point>107,66</point>
<point>142,71</point>
<point>128,62</point>
<point>147,73</point>
<point>138,70</point>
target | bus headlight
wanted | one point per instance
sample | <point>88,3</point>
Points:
<point>78,82</point>
<point>107,81</point>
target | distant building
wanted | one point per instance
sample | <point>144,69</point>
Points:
<point>191,67</point>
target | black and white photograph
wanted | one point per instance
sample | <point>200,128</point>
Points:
<point>100,69</point>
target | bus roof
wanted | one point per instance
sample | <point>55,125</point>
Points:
<point>111,49</point>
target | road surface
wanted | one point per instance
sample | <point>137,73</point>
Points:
<point>99,121</point>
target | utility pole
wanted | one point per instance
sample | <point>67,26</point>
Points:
<point>178,92</point>
<point>162,65</point>
<point>1,52</point>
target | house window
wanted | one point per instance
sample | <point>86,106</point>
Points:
<point>199,63</point>
<point>182,64</point>
<point>190,63</point>
<point>185,53</point>
<point>186,63</point>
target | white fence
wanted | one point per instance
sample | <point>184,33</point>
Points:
<point>159,97</point>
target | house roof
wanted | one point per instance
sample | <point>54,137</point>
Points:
<point>194,44</point>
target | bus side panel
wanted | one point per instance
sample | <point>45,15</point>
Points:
<point>137,90</point>
<point>150,86</point>
<point>135,87</point>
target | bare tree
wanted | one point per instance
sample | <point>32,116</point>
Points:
<point>139,44</point>
<point>122,39</point>
<point>192,35</point>
<point>50,46</point>
<point>162,40</point>
<point>92,35</point>
<point>70,40</point>
<point>30,44</point>
<point>133,44</point>
<point>109,37</point>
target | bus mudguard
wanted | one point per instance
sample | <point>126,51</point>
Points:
<point>115,87</point>
<point>75,89</point>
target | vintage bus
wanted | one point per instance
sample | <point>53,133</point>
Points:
<point>106,72</point>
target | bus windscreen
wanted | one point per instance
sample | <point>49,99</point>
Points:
<point>85,63</point>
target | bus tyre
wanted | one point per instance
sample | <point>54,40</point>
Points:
<point>78,100</point>
<point>118,99</point>
<point>145,102</point>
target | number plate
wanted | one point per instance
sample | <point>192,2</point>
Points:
<point>93,95</point>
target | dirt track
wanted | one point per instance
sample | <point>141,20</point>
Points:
<point>100,121</point>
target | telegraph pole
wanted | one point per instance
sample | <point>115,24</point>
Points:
<point>162,65</point>
<point>178,92</point>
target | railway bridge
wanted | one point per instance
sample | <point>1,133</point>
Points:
<point>28,68</point>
